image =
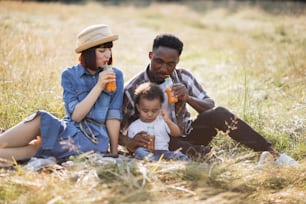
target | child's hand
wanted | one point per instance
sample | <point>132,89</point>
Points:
<point>165,115</point>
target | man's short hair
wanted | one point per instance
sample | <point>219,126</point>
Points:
<point>168,40</point>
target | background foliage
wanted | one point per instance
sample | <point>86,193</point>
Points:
<point>249,56</point>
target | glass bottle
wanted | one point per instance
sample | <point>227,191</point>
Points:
<point>150,131</point>
<point>170,94</point>
<point>110,86</point>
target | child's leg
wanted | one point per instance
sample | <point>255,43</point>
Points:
<point>142,153</point>
<point>175,155</point>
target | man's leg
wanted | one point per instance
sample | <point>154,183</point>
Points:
<point>187,148</point>
<point>207,123</point>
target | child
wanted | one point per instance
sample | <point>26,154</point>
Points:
<point>154,121</point>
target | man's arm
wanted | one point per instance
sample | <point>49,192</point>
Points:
<point>199,105</point>
<point>127,112</point>
<point>123,140</point>
<point>141,139</point>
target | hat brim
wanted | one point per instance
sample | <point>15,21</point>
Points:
<point>95,43</point>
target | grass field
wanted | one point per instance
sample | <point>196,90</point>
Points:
<point>250,57</point>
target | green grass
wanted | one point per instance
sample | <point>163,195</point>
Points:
<point>250,57</point>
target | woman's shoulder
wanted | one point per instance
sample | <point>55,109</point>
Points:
<point>73,67</point>
<point>117,70</point>
<point>76,69</point>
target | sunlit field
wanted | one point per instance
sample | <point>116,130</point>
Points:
<point>250,57</point>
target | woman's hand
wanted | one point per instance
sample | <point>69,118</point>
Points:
<point>83,107</point>
<point>106,77</point>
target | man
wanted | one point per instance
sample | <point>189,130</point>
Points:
<point>195,134</point>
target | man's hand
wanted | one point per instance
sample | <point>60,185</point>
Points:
<point>180,91</point>
<point>141,139</point>
<point>200,105</point>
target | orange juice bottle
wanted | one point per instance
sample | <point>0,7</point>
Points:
<point>170,95</point>
<point>111,86</point>
<point>151,145</point>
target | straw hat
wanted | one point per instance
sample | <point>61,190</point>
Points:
<point>94,35</point>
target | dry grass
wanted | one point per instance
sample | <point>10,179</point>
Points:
<point>251,59</point>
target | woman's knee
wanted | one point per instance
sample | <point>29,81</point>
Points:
<point>35,116</point>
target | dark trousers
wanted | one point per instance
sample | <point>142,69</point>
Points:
<point>205,128</point>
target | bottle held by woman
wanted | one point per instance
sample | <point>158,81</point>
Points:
<point>111,86</point>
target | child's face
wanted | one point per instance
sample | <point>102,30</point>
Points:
<point>148,109</point>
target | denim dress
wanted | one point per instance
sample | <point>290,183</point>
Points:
<point>64,137</point>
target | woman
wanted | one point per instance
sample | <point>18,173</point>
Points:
<point>93,113</point>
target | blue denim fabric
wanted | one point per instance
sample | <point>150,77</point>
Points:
<point>62,137</point>
<point>143,153</point>
<point>77,83</point>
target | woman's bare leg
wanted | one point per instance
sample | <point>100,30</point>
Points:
<point>21,134</point>
<point>18,153</point>
<point>15,142</point>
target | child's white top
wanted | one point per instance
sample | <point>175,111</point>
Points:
<point>161,131</point>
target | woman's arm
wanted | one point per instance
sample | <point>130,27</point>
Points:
<point>83,107</point>
<point>114,115</point>
<point>113,127</point>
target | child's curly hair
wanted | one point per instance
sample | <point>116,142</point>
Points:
<point>148,91</point>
